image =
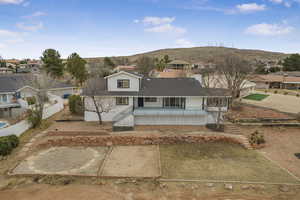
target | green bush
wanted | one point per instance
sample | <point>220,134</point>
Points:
<point>266,91</point>
<point>285,93</point>
<point>7,144</point>
<point>257,138</point>
<point>275,92</point>
<point>31,100</point>
<point>35,118</point>
<point>297,95</point>
<point>76,105</point>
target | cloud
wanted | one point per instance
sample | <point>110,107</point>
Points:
<point>250,7</point>
<point>30,26</point>
<point>182,42</point>
<point>286,3</point>
<point>166,28</point>
<point>11,1</point>
<point>7,33</point>
<point>265,29</point>
<point>158,20</point>
<point>35,14</point>
<point>161,25</point>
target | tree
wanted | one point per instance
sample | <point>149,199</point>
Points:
<point>95,103</point>
<point>145,64</point>
<point>167,59</point>
<point>108,63</point>
<point>76,67</point>
<point>2,62</point>
<point>292,63</point>
<point>235,70</point>
<point>41,84</point>
<point>160,64</point>
<point>52,63</point>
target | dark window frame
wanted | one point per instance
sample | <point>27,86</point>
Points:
<point>120,102</point>
<point>120,83</point>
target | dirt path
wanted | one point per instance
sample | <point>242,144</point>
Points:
<point>174,191</point>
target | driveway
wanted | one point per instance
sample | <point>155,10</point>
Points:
<point>283,103</point>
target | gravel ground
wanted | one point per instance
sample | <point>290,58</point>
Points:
<point>65,161</point>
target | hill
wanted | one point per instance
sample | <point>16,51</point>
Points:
<point>202,54</point>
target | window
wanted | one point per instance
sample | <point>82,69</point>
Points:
<point>173,102</point>
<point>4,98</point>
<point>123,83</point>
<point>151,99</point>
<point>122,101</point>
<point>215,102</point>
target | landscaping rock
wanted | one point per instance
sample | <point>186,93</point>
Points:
<point>210,184</point>
<point>228,187</point>
<point>246,187</point>
<point>284,188</point>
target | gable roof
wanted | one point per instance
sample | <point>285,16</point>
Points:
<point>14,82</point>
<point>155,87</point>
<point>136,75</point>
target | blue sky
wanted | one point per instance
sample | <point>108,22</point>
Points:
<point>124,27</point>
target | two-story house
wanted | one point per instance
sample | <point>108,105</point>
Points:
<point>137,100</point>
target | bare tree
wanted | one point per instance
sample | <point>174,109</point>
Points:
<point>41,84</point>
<point>235,70</point>
<point>97,104</point>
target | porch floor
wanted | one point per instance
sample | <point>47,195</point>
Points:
<point>167,111</point>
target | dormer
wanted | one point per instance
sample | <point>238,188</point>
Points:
<point>123,81</point>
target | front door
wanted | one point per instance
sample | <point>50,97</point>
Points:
<point>140,102</point>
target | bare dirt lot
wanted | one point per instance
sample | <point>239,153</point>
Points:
<point>132,161</point>
<point>64,161</point>
<point>281,145</point>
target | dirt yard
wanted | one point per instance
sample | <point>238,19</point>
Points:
<point>281,145</point>
<point>132,161</point>
<point>219,161</point>
<point>255,112</point>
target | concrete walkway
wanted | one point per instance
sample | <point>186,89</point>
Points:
<point>283,103</point>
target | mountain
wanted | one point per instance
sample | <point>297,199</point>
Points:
<point>203,54</point>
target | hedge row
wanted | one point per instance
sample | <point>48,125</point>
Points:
<point>7,144</point>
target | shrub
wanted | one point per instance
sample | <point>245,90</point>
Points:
<point>257,138</point>
<point>76,104</point>
<point>275,92</point>
<point>31,100</point>
<point>7,144</point>
<point>297,95</point>
<point>285,93</point>
<point>266,91</point>
<point>35,118</point>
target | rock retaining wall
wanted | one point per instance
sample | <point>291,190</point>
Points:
<point>143,140</point>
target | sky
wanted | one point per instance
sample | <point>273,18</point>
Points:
<point>94,28</point>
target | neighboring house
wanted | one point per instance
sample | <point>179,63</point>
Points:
<point>15,88</point>
<point>219,81</point>
<point>276,81</point>
<point>169,73</point>
<point>137,100</point>
<point>5,70</point>
<point>179,64</point>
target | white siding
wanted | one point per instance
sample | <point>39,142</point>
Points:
<point>194,103</point>
<point>112,83</point>
<point>116,109</point>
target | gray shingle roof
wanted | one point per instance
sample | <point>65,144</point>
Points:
<point>13,82</point>
<point>159,87</point>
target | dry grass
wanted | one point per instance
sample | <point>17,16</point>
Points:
<point>219,161</point>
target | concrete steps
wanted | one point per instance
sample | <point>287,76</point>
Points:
<point>234,129</point>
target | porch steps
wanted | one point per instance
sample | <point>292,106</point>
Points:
<point>234,129</point>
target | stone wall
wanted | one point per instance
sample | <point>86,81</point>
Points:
<point>108,140</point>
